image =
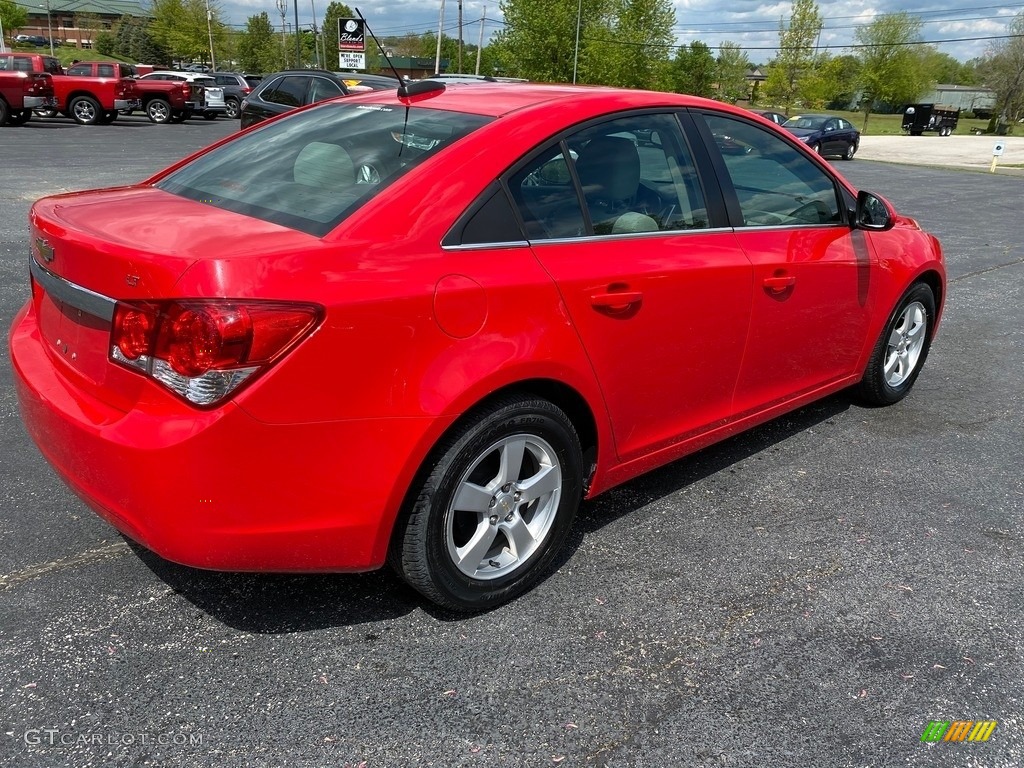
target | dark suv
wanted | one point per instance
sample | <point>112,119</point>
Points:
<point>284,91</point>
<point>236,87</point>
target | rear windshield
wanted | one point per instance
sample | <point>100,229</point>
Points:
<point>312,170</point>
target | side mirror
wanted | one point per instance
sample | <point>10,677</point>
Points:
<point>873,213</point>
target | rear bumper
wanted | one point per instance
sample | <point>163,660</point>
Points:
<point>39,102</point>
<point>219,489</point>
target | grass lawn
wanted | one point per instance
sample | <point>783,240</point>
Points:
<point>889,125</point>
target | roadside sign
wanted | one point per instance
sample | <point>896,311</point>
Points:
<point>999,148</point>
<point>351,60</point>
<point>351,36</point>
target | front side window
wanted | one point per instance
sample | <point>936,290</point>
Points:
<point>775,184</point>
<point>625,176</point>
<point>312,170</point>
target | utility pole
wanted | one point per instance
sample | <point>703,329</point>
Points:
<point>480,40</point>
<point>209,31</point>
<point>460,36</point>
<point>316,48</point>
<point>440,31</point>
<point>298,48</point>
<point>284,48</point>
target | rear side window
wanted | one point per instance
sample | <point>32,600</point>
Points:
<point>288,91</point>
<point>312,170</point>
<point>320,88</point>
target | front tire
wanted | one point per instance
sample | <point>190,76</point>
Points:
<point>19,118</point>
<point>901,350</point>
<point>496,504</point>
<point>209,115</point>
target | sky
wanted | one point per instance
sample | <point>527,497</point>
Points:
<point>954,26</point>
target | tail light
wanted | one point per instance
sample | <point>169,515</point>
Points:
<point>37,83</point>
<point>204,350</point>
<point>186,90</point>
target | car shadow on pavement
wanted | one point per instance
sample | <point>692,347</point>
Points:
<point>279,603</point>
<point>284,603</point>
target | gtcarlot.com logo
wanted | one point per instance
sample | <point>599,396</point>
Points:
<point>55,737</point>
<point>958,730</point>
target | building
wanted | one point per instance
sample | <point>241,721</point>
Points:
<point>967,98</point>
<point>74,22</point>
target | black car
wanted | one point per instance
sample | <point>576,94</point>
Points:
<point>236,87</point>
<point>776,117</point>
<point>825,134</point>
<point>284,91</point>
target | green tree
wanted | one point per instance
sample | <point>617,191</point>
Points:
<point>259,49</point>
<point>1003,69</point>
<point>636,55</point>
<point>731,72</point>
<point>693,70</point>
<point>943,68</point>
<point>892,69</point>
<point>538,41</point>
<point>180,27</point>
<point>12,16</point>
<point>796,55</point>
<point>334,12</point>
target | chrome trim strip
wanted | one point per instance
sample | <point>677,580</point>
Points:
<point>478,246</point>
<point>73,295</point>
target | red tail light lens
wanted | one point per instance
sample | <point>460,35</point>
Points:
<point>205,350</point>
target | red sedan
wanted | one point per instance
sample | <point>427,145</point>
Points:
<point>420,326</point>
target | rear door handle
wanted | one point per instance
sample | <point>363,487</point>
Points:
<point>616,302</point>
<point>779,283</point>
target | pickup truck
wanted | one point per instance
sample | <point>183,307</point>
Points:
<point>21,92</point>
<point>163,101</point>
<point>86,100</point>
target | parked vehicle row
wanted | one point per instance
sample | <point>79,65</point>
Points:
<point>97,92</point>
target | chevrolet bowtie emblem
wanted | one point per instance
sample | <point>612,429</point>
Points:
<point>44,250</point>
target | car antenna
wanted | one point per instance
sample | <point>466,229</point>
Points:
<point>404,88</point>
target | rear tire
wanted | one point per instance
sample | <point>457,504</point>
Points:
<point>901,350</point>
<point>851,150</point>
<point>495,505</point>
<point>158,111</point>
<point>234,109</point>
<point>85,110</point>
<point>5,112</point>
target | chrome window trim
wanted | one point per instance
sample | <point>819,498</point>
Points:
<point>73,295</point>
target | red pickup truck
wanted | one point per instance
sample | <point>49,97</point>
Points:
<point>21,92</point>
<point>86,100</point>
<point>163,101</point>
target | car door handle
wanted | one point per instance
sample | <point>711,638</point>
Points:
<point>779,283</point>
<point>616,302</point>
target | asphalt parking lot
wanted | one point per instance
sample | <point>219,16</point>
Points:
<point>811,593</point>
